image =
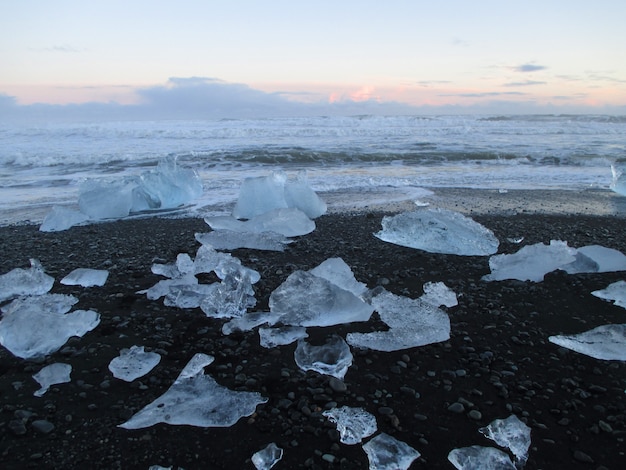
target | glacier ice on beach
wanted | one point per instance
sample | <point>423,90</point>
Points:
<point>618,183</point>
<point>336,271</point>
<point>412,323</point>
<point>511,433</point>
<point>480,458</point>
<point>439,231</point>
<point>86,277</point>
<point>332,358</point>
<point>196,399</point>
<point>261,194</point>
<point>248,322</point>
<point>33,327</point>
<point>596,259</point>
<point>437,294</point>
<point>353,424</point>
<point>607,342</point>
<point>615,292</point>
<point>19,281</point>
<point>385,452</point>
<point>231,240</point>
<point>289,222</point>
<point>57,373</point>
<point>133,363</point>
<point>232,297</point>
<point>61,218</point>
<point>272,337</point>
<point>267,457</point>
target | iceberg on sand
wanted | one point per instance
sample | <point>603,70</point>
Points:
<point>353,424</point>
<point>61,218</point>
<point>618,184</point>
<point>31,281</point>
<point>133,363</point>
<point>615,292</point>
<point>289,222</point>
<point>511,433</point>
<point>332,358</point>
<point>267,457</point>
<point>438,231</point>
<point>480,458</point>
<point>57,373</point>
<point>86,277</point>
<point>607,342</point>
<point>385,452</point>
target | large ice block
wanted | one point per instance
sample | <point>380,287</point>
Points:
<point>606,342</point>
<point>61,218</point>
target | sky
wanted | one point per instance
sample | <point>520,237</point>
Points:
<point>192,58</point>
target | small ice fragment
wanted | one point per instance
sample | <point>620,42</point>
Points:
<point>272,337</point>
<point>231,240</point>
<point>339,273</point>
<point>61,218</point>
<point>57,373</point>
<point>531,262</point>
<point>511,433</point>
<point>615,292</point>
<point>385,452</point>
<point>353,424</point>
<point>231,297</point>
<point>86,277</point>
<point>437,294</point>
<point>480,458</point>
<point>419,203</point>
<point>333,358</point>
<point>133,363</point>
<point>596,259</point>
<point>607,342</point>
<point>503,191</point>
<point>31,281</point>
<point>438,231</point>
<point>196,399</point>
<point>516,240</point>
<point>267,457</point>
<point>249,321</point>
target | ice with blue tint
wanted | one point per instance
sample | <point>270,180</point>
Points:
<point>57,373</point>
<point>272,337</point>
<point>353,424</point>
<point>511,433</point>
<point>385,452</point>
<point>607,342</point>
<point>437,294</point>
<point>412,323</point>
<point>615,292</point>
<point>618,183</point>
<point>480,458</point>
<point>231,240</point>
<point>596,259</point>
<point>30,281</point>
<point>336,271</point>
<point>261,194</point>
<point>267,457</point>
<point>332,358</point>
<point>133,363</point>
<point>249,321</point>
<point>290,222</point>
<point>196,399</point>
<point>86,277</point>
<point>61,218</point>
<point>438,231</point>
<point>232,297</point>
<point>33,327</point>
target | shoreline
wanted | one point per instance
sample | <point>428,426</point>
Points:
<point>497,362</point>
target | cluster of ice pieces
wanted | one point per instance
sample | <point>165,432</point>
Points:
<point>439,231</point>
<point>167,187</point>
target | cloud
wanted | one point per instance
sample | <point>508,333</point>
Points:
<point>486,94</point>
<point>525,83</point>
<point>529,68</point>
<point>62,48</point>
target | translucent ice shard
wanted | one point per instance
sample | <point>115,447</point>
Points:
<point>196,399</point>
<point>61,218</point>
<point>336,270</point>
<point>267,457</point>
<point>272,337</point>
<point>133,363</point>
<point>480,458</point>
<point>86,277</point>
<point>437,294</point>
<point>618,184</point>
<point>596,259</point>
<point>385,452</point>
<point>106,200</point>
<point>299,194</point>
<point>531,263</point>
<point>412,323</point>
<point>231,240</point>
<point>289,222</point>
<point>511,433</point>
<point>37,326</point>
<point>333,358</point>
<point>249,321</point>
<point>615,292</point>
<point>57,373</point>
<point>438,231</point>
<point>31,281</point>
<point>353,424</point>
<point>231,297</point>
<point>606,342</point>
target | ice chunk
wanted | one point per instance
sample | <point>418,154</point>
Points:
<point>272,337</point>
<point>412,323</point>
<point>57,373</point>
<point>86,277</point>
<point>290,222</point>
<point>606,342</point>
<point>223,264</point>
<point>196,399</point>
<point>249,321</point>
<point>333,358</point>
<point>437,294</point>
<point>300,195</point>
<point>165,286</point>
<point>438,231</point>
<point>267,457</point>
<point>480,458</point>
<point>531,263</point>
<point>31,281</point>
<point>353,424</point>
<point>61,218</point>
<point>615,292</point>
<point>511,433</point>
<point>336,270</point>
<point>385,452</point>
<point>231,297</point>
<point>618,184</point>
<point>187,295</point>
<point>596,259</point>
<point>37,326</point>
<point>231,240</point>
<point>133,363</point>
<point>106,200</point>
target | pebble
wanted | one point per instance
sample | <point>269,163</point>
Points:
<point>17,427</point>
<point>456,408</point>
<point>475,414</point>
<point>582,457</point>
<point>337,385</point>
<point>43,426</point>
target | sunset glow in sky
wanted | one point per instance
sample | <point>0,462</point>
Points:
<point>517,56</point>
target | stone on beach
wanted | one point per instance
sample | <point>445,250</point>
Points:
<point>615,292</point>
<point>86,277</point>
<point>438,231</point>
<point>607,342</point>
<point>332,358</point>
<point>353,424</point>
<point>19,281</point>
<point>385,452</point>
<point>133,363</point>
<point>52,374</point>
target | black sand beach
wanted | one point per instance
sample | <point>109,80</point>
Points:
<point>497,362</point>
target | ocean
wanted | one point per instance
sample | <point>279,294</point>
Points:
<point>360,159</point>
